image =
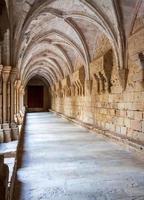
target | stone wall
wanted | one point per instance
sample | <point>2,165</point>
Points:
<point>113,98</point>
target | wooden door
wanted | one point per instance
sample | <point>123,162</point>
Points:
<point>35,96</point>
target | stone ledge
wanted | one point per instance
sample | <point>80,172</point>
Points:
<point>111,135</point>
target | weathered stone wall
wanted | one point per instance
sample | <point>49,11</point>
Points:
<point>103,101</point>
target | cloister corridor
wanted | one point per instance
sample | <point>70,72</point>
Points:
<point>63,161</point>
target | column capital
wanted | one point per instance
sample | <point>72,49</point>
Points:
<point>21,88</point>
<point>22,91</point>
<point>15,84</point>
<point>18,84</point>
<point>6,72</point>
<point>13,74</point>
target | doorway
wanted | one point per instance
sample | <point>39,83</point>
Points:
<point>35,96</point>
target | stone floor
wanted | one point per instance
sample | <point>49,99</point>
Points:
<point>62,161</point>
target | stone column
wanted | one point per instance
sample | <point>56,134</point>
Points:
<point>12,79</point>
<point>18,95</point>
<point>8,100</point>
<point>21,98</point>
<point>6,48</point>
<point>14,97</point>
<point>5,75</point>
<point>15,101</point>
<point>1,67</point>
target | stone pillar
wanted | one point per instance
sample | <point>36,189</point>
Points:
<point>8,101</point>
<point>18,95</point>
<point>5,75</point>
<point>6,48</point>
<point>12,79</point>
<point>21,98</point>
<point>1,67</point>
<point>15,98</point>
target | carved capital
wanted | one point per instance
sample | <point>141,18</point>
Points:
<point>18,84</point>
<point>15,84</point>
<point>6,72</point>
<point>123,75</point>
<point>21,89</point>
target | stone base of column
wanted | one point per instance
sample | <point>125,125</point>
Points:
<point>1,136</point>
<point>15,133</point>
<point>7,135</point>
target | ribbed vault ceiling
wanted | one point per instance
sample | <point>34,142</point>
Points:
<point>53,38</point>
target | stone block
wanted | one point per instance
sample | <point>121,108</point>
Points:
<point>5,126</point>
<point>124,130</point>
<point>112,127</point>
<point>136,125</point>
<point>118,129</point>
<point>120,121</point>
<point>142,126</point>
<point>137,106</point>
<point>7,135</point>
<point>130,114</point>
<point>127,122</point>
<point>128,97</point>
<point>118,113</point>
<point>138,76</point>
<point>138,115</point>
<point>15,133</point>
<point>122,113</point>
<point>112,112</point>
<point>129,106</point>
<point>121,106</point>
<point>138,136</point>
